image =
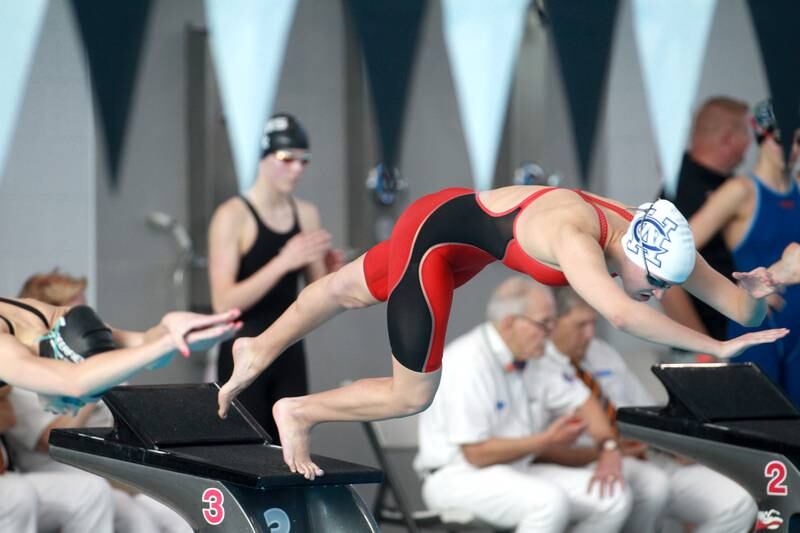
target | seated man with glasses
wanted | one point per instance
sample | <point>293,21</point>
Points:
<point>697,495</point>
<point>491,418</point>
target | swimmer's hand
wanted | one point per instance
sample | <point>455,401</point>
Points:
<point>759,282</point>
<point>196,332</point>
<point>736,346</point>
<point>305,248</point>
<point>204,339</point>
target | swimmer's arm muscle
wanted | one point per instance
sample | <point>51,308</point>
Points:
<point>581,259</point>
<point>22,368</point>
<point>723,295</point>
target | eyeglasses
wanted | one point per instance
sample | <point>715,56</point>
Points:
<point>285,156</point>
<point>547,325</point>
<point>651,279</point>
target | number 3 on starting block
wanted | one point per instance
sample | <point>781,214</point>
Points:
<point>215,512</point>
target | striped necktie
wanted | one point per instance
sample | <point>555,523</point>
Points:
<point>605,403</point>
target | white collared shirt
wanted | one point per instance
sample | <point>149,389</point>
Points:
<point>478,399</point>
<point>608,368</point>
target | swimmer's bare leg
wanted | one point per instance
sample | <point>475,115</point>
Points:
<point>405,393</point>
<point>322,300</point>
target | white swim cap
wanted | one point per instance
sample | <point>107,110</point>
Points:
<point>660,233</point>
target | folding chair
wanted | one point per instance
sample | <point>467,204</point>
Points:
<point>392,503</point>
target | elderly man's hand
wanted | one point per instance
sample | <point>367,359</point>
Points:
<point>607,473</point>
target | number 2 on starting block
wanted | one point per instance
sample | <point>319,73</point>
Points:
<point>776,472</point>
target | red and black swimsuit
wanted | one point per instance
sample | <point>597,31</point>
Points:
<point>439,243</point>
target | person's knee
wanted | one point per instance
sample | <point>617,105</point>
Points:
<point>94,491</point>
<point>129,515</point>
<point>746,512</point>
<point>412,396</point>
<point>655,490</point>
<point>346,290</point>
<point>618,504</point>
<point>739,508</point>
<point>554,503</point>
<point>20,502</point>
<point>546,511</point>
<point>412,403</point>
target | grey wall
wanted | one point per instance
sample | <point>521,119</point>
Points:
<point>47,216</point>
<point>134,262</point>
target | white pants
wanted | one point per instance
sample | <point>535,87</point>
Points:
<point>649,486</point>
<point>131,514</point>
<point>712,502</point>
<point>143,514</point>
<point>74,502</point>
<point>540,498</point>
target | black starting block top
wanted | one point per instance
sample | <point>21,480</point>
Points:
<point>732,403</point>
<point>176,427</point>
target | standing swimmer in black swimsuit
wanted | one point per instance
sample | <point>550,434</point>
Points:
<point>259,244</point>
<point>63,336</point>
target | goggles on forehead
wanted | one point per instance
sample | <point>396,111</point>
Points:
<point>288,157</point>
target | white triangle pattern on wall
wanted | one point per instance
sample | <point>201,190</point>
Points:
<point>20,24</point>
<point>248,40</point>
<point>482,40</point>
<point>671,38</point>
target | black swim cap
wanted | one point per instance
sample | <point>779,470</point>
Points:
<point>77,335</point>
<point>281,132</point>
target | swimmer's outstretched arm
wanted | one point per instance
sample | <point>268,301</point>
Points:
<point>176,324</point>
<point>128,339</point>
<point>24,369</point>
<point>736,303</point>
<point>582,261</point>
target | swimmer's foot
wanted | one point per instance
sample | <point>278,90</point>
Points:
<point>248,362</point>
<point>294,431</point>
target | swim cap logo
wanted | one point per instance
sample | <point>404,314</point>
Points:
<point>653,236</point>
<point>61,350</point>
<point>279,123</point>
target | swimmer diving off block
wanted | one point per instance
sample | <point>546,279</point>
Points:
<point>556,236</point>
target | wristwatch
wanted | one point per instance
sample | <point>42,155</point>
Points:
<point>608,445</point>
